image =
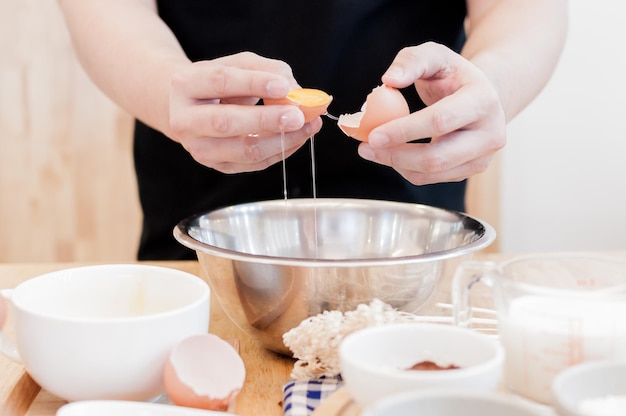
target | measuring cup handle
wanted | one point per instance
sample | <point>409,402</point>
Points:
<point>467,275</point>
<point>7,345</point>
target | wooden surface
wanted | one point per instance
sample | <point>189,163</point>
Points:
<point>261,394</point>
<point>67,187</point>
<point>340,403</point>
<point>483,198</point>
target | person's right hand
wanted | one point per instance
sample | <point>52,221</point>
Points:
<point>214,116</point>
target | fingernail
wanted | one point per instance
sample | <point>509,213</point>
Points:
<point>277,88</point>
<point>366,153</point>
<point>291,120</point>
<point>394,72</point>
<point>378,140</point>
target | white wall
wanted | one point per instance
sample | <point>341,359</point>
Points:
<point>563,183</point>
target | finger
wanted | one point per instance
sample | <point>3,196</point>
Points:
<point>443,154</point>
<point>246,149</point>
<point>252,61</point>
<point>451,113</point>
<point>256,148</point>
<point>208,80</point>
<point>457,174</point>
<point>235,167</point>
<point>427,60</point>
<point>224,120</point>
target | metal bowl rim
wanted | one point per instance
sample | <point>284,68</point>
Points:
<point>484,240</point>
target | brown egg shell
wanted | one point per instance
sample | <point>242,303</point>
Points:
<point>381,106</point>
<point>205,372</point>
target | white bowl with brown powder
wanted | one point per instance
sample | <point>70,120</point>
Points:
<point>384,360</point>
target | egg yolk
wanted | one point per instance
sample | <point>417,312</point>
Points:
<point>312,102</point>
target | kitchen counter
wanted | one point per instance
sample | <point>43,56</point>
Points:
<point>266,371</point>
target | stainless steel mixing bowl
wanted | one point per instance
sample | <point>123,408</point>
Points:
<point>272,264</point>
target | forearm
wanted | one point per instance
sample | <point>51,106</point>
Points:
<point>517,44</point>
<point>128,52</point>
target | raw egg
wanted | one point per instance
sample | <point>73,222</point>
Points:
<point>205,372</point>
<point>382,105</point>
<point>313,103</point>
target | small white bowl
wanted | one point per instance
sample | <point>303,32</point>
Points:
<point>599,385</point>
<point>374,361</point>
<point>451,403</point>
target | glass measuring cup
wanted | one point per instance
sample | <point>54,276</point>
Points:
<point>554,311</point>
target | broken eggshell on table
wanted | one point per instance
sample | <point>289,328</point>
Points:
<point>205,372</point>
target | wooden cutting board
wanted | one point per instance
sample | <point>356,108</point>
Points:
<point>340,403</point>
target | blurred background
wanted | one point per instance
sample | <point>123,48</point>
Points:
<point>68,193</point>
<point>563,171</point>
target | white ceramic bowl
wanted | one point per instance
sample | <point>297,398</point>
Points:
<point>104,331</point>
<point>374,360</point>
<point>591,388</point>
<point>451,403</point>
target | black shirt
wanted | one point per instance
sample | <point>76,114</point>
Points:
<point>340,46</point>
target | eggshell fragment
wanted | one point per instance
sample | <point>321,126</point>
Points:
<point>382,105</point>
<point>312,102</point>
<point>205,372</point>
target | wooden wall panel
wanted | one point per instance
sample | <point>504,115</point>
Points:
<point>483,198</point>
<point>67,190</point>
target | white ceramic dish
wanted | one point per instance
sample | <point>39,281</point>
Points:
<point>374,361</point>
<point>129,408</point>
<point>591,388</point>
<point>104,331</point>
<point>451,403</point>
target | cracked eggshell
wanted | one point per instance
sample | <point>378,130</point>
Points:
<point>382,105</point>
<point>205,372</point>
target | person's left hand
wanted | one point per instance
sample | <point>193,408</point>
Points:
<point>464,118</point>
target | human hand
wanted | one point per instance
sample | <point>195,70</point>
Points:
<point>213,113</point>
<point>464,118</point>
